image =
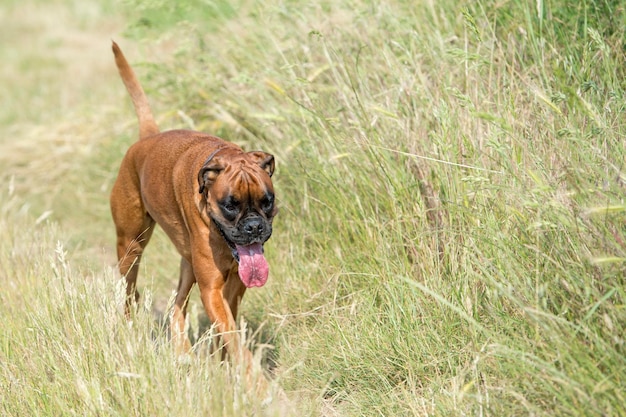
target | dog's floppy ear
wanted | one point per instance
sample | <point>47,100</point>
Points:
<point>207,174</point>
<point>264,160</point>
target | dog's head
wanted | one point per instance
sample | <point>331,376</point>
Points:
<point>239,196</point>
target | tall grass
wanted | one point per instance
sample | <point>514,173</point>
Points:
<point>450,176</point>
<point>67,350</point>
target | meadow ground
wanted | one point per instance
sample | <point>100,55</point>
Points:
<point>450,175</point>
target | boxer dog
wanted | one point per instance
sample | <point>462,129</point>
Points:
<point>213,200</point>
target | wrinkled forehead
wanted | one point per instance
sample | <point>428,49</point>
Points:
<point>247,180</point>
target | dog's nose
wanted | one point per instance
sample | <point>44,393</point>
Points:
<point>253,227</point>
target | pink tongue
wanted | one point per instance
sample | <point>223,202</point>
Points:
<point>253,268</point>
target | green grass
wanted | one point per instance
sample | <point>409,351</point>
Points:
<point>451,231</point>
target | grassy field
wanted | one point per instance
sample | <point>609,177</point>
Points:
<point>451,178</point>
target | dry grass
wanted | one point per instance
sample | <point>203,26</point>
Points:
<point>451,234</point>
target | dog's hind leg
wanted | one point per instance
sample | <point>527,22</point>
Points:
<point>129,252</point>
<point>177,323</point>
<point>134,228</point>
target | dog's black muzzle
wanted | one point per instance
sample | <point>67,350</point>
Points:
<point>250,229</point>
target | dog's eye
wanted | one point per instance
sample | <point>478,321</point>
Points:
<point>267,204</point>
<point>230,208</point>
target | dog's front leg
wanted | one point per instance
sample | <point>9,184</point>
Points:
<point>221,316</point>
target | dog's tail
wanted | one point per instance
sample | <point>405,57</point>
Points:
<point>147,125</point>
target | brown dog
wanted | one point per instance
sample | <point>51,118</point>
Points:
<point>214,201</point>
